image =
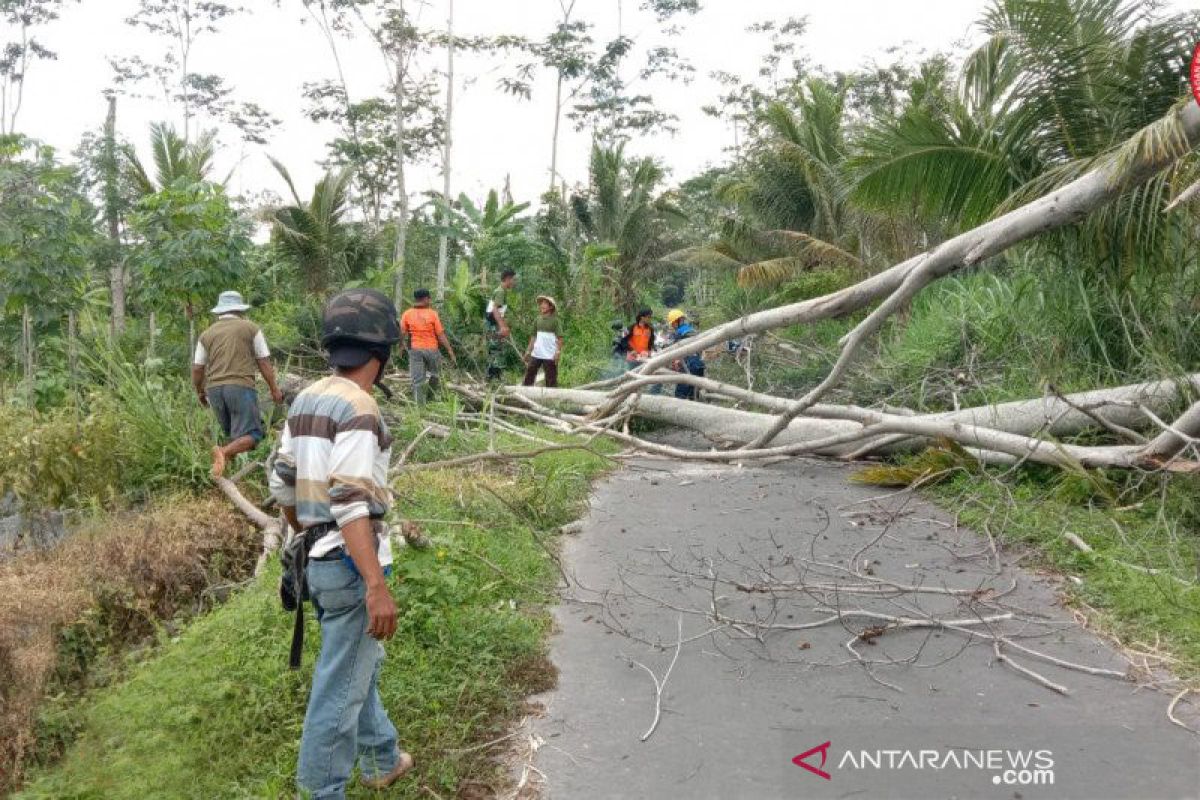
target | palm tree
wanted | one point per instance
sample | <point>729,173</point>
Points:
<point>1058,85</point>
<point>474,228</point>
<point>314,235</point>
<point>174,159</point>
<point>791,196</point>
<point>630,225</point>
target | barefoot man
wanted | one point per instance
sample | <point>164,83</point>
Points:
<point>223,372</point>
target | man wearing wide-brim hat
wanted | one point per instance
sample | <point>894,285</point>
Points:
<point>545,346</point>
<point>228,356</point>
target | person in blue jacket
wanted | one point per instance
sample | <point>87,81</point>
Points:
<point>693,364</point>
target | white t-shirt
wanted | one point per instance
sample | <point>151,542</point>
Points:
<point>545,345</point>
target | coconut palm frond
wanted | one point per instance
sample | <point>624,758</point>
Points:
<point>136,172</point>
<point>772,272</point>
<point>920,157</point>
<point>287,178</point>
<point>818,250</point>
<point>702,257</point>
<point>315,235</point>
<point>175,159</point>
<point>1160,141</point>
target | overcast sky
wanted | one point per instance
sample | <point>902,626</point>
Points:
<point>267,54</point>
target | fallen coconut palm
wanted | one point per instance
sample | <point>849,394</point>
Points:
<point>840,431</point>
<point>1154,148</point>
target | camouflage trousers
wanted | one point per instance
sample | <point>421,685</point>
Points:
<point>495,354</point>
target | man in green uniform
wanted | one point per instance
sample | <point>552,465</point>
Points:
<point>497,331</point>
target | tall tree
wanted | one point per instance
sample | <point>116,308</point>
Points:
<point>366,140</point>
<point>589,88</point>
<point>398,40</point>
<point>568,52</point>
<point>614,104</point>
<point>181,24</point>
<point>447,145</point>
<point>111,177</point>
<point>23,17</point>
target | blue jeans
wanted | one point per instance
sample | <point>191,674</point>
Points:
<point>692,365</point>
<point>346,721</point>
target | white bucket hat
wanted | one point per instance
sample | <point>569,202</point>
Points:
<point>230,302</point>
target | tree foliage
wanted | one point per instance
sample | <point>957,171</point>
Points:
<point>190,245</point>
<point>175,159</point>
<point>24,18</point>
<point>625,213</point>
<point>1055,87</point>
<point>180,24</point>
<point>315,236</point>
<point>47,238</point>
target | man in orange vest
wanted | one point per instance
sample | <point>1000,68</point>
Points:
<point>423,332</point>
<point>640,339</point>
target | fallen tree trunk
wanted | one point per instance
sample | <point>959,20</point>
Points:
<point>1050,415</point>
<point>260,518</point>
<point>1151,150</point>
<point>1184,432</point>
<point>1175,136</point>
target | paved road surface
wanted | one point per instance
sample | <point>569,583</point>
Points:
<point>663,541</point>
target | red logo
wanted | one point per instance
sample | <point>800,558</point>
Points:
<point>823,749</point>
<point>1194,74</point>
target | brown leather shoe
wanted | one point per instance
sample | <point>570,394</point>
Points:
<point>403,764</point>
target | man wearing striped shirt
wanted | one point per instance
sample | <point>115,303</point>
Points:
<point>331,481</point>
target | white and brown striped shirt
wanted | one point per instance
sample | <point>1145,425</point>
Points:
<point>333,461</point>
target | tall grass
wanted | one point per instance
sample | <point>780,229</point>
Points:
<point>165,433</point>
<point>67,615</point>
<point>217,714</point>
<point>990,336</point>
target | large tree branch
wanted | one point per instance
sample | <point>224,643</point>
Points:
<point>1045,416</point>
<point>1136,163</point>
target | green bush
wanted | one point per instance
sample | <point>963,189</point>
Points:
<point>61,457</point>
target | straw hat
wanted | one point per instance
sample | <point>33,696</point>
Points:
<point>548,299</point>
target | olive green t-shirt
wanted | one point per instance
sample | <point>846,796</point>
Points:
<point>498,304</point>
<point>545,343</point>
<point>548,323</point>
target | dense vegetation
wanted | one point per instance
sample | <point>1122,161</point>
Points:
<point>108,261</point>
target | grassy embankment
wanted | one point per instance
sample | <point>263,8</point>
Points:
<point>1141,583</point>
<point>215,713</point>
<point>70,617</point>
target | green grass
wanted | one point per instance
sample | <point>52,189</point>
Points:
<point>1156,525</point>
<point>217,714</point>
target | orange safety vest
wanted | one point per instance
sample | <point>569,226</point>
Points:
<point>639,339</point>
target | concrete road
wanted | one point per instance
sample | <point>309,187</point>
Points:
<point>757,706</point>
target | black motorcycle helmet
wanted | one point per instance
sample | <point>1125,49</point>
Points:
<point>357,325</point>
